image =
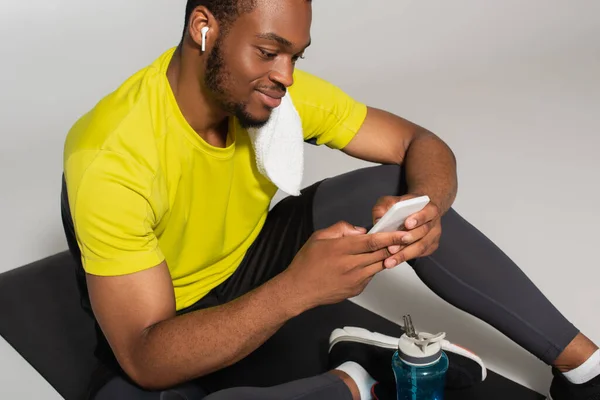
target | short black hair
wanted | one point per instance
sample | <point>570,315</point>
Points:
<point>225,11</point>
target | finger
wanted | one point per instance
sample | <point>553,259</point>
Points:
<point>377,241</point>
<point>429,213</point>
<point>395,249</point>
<point>431,234</point>
<point>382,206</point>
<point>340,229</point>
<point>366,259</point>
<point>371,270</point>
<point>411,252</point>
<point>417,234</point>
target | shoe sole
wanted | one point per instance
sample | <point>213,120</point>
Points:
<point>361,335</point>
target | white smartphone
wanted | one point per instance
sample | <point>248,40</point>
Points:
<point>394,218</point>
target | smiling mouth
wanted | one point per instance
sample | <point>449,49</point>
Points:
<point>271,101</point>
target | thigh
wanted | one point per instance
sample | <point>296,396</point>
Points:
<point>121,389</point>
<point>351,197</point>
<point>321,387</point>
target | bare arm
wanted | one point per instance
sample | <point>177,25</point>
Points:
<point>157,349</point>
<point>430,164</point>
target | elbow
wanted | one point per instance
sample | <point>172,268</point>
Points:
<point>143,372</point>
<point>146,379</point>
<point>140,376</point>
<point>153,379</point>
<point>452,156</point>
<point>156,376</point>
<point>141,367</point>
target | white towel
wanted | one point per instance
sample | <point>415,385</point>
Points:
<point>279,147</point>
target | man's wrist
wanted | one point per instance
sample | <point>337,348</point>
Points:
<point>442,201</point>
<point>290,299</point>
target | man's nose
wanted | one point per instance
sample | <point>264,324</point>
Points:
<point>283,73</point>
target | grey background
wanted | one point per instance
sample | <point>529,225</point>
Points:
<point>513,87</point>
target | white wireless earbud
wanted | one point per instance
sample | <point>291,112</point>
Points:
<point>204,31</point>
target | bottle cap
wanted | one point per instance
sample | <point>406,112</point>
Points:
<point>421,348</point>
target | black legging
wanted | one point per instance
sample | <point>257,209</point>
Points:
<point>468,270</point>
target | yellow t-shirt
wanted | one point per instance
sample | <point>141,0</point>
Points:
<point>144,187</point>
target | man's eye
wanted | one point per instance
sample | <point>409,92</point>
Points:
<point>267,54</point>
<point>296,58</point>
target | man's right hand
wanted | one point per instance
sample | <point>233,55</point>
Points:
<point>337,263</point>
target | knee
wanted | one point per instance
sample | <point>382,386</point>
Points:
<point>386,179</point>
<point>391,172</point>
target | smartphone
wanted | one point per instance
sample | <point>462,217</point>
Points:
<point>394,218</point>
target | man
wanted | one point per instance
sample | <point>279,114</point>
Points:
<point>185,269</point>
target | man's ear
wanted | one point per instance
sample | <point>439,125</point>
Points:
<point>201,18</point>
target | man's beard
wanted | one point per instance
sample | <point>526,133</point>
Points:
<point>217,77</point>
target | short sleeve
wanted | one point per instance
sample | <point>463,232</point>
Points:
<point>113,216</point>
<point>329,116</point>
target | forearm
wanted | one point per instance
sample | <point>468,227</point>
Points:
<point>204,341</point>
<point>431,169</point>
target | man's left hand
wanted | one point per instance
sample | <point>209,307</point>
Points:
<point>423,230</point>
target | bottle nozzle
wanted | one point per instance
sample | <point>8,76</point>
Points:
<point>422,346</point>
<point>409,328</point>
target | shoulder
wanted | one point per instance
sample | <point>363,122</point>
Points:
<point>310,89</point>
<point>314,95</point>
<point>329,115</point>
<point>123,122</point>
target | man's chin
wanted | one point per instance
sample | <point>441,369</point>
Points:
<point>248,121</point>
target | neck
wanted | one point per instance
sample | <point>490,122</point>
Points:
<point>198,107</point>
